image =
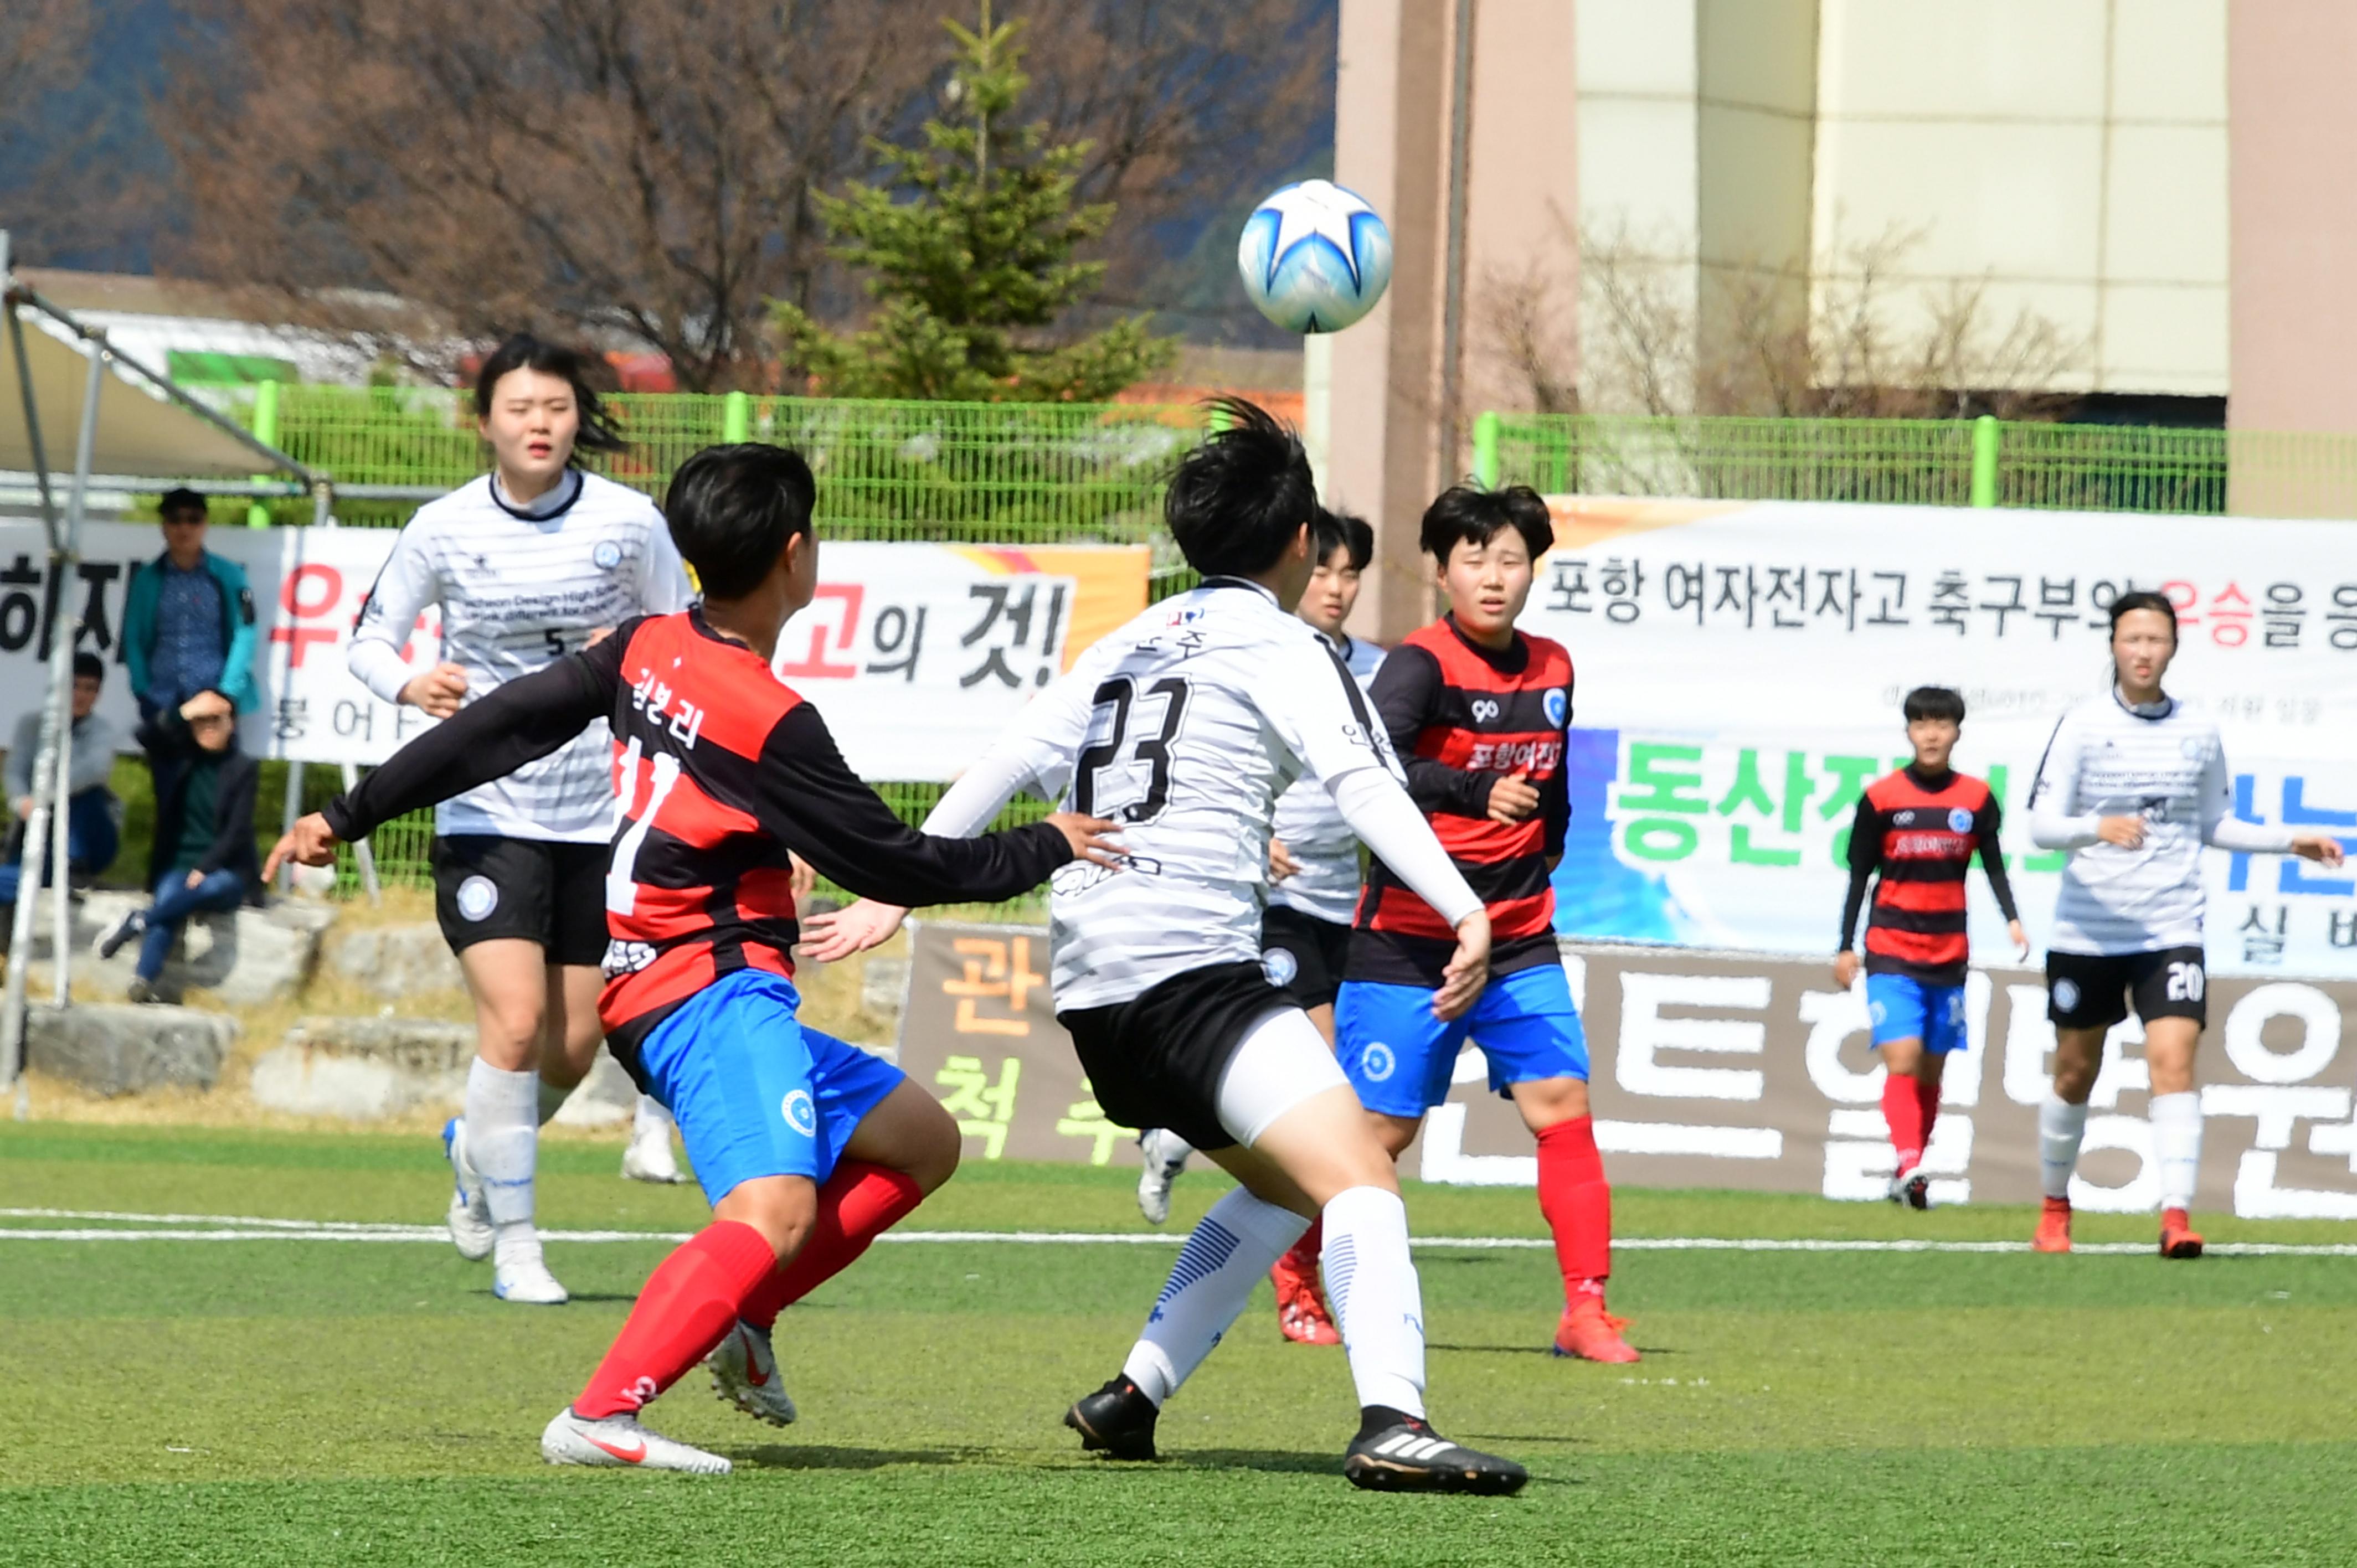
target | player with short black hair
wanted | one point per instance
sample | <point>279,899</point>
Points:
<point>1916,832</point>
<point>535,560</point>
<point>1479,712</point>
<point>1185,725</point>
<point>807,1147</point>
<point>2133,784</point>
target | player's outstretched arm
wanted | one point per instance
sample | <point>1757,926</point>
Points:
<point>523,721</point>
<point>2222,830</point>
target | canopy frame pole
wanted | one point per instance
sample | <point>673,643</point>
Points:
<point>48,776</point>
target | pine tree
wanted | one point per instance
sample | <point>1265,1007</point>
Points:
<point>971,274</point>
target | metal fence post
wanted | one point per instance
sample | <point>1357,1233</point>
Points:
<point>266,430</point>
<point>736,417</point>
<point>1984,446</point>
<point>1485,449</point>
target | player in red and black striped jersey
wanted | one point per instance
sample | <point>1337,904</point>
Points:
<point>808,1147</point>
<point>1916,833</point>
<point>1478,712</point>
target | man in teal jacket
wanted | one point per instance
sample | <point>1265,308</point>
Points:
<point>187,622</point>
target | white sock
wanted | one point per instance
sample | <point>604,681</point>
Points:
<point>552,1100</point>
<point>2061,1126</point>
<point>1378,1301</point>
<point>2177,1140</point>
<point>1230,1252</point>
<point>503,1138</point>
<point>650,1120</point>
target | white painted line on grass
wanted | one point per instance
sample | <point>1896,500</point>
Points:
<point>242,1227</point>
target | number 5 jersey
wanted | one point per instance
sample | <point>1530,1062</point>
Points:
<point>1184,727</point>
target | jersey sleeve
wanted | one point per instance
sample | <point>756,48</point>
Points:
<point>1986,821</point>
<point>2219,826</point>
<point>1035,752</point>
<point>811,802</point>
<point>1315,706</point>
<point>1407,691</point>
<point>409,582</point>
<point>2055,820</point>
<point>522,721</point>
<point>663,587</point>
<point>1866,834</point>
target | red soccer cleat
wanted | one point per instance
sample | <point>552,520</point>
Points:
<point>2178,1236</point>
<point>2053,1228</point>
<point>1301,1315</point>
<point>1588,1333</point>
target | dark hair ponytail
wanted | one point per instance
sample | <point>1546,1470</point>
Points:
<point>523,351</point>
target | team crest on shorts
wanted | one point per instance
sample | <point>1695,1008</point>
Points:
<point>608,555</point>
<point>1959,819</point>
<point>1279,965</point>
<point>1379,1063</point>
<point>1557,707</point>
<point>2066,994</point>
<point>801,1115</point>
<point>478,897</point>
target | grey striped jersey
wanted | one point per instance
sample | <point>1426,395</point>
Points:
<point>2164,764</point>
<point>1313,832</point>
<point>1185,725</point>
<point>517,588</point>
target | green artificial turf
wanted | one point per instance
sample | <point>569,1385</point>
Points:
<point>306,1400</point>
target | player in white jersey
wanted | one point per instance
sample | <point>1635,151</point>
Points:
<point>535,560</point>
<point>1185,726</point>
<point>2133,784</point>
<point>1313,867</point>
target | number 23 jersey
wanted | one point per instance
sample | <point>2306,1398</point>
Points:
<point>1185,726</point>
<point>519,589</point>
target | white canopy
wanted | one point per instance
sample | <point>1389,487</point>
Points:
<point>140,431</point>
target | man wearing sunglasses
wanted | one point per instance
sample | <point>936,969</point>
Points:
<point>188,621</point>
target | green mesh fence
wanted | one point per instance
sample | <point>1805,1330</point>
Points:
<point>2077,467</point>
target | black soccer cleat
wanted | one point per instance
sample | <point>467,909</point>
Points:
<point>1917,1190</point>
<point>1116,1421</point>
<point>1410,1457</point>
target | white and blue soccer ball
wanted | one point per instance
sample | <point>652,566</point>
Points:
<point>1313,257</point>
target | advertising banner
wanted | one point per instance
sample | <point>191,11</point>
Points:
<point>917,654</point>
<point>1731,1070</point>
<point>1741,668</point>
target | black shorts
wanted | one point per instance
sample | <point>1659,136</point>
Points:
<point>1302,954</point>
<point>2087,991</point>
<point>487,887</point>
<point>1156,1060</point>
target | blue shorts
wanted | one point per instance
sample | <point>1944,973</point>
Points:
<point>754,1093</point>
<point>1400,1057</point>
<point>1904,1009</point>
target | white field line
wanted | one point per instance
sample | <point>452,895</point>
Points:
<point>240,1228</point>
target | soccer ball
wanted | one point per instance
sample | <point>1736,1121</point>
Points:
<point>1313,257</point>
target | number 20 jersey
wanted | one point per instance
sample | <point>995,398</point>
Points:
<point>1185,726</point>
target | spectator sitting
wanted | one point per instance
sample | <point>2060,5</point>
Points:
<point>93,813</point>
<point>187,618</point>
<point>204,856</point>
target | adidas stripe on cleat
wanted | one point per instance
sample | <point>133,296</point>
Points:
<point>1116,1421</point>
<point>1410,1457</point>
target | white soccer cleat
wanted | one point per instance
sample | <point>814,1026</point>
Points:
<point>650,1156</point>
<point>619,1440</point>
<point>1166,1155</point>
<point>470,1211</point>
<point>745,1374</point>
<point>521,1275</point>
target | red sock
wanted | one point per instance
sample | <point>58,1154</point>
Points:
<point>1902,1110</point>
<point>688,1304</point>
<point>1927,1097</point>
<point>1301,1262</point>
<point>1578,1203</point>
<point>859,1203</point>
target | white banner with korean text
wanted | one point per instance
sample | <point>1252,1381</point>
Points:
<point>1741,668</point>
<point>917,654</point>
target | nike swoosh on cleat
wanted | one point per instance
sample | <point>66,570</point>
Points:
<point>754,1375</point>
<point>632,1455</point>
